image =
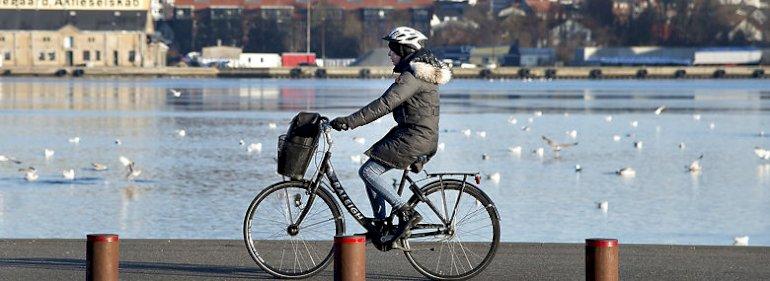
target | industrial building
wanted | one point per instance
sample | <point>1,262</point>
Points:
<point>79,33</point>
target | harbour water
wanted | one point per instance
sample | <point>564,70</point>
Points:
<point>199,185</point>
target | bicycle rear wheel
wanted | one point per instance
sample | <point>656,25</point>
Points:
<point>288,252</point>
<point>453,247</point>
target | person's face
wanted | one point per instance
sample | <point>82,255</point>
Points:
<point>394,58</point>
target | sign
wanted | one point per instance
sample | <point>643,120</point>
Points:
<point>121,5</point>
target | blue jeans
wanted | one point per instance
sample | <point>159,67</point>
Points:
<point>378,189</point>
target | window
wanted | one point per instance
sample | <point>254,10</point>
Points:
<point>98,55</point>
<point>7,55</point>
<point>2,39</point>
<point>131,56</point>
<point>86,55</point>
<point>46,39</point>
<point>52,56</point>
<point>91,39</point>
<point>41,57</point>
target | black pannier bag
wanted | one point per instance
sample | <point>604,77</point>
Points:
<point>297,146</point>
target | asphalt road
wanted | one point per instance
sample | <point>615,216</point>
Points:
<point>229,260</point>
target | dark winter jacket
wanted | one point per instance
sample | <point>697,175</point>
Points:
<point>414,101</point>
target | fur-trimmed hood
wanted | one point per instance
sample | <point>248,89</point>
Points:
<point>430,73</point>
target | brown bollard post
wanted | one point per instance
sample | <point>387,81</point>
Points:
<point>350,258</point>
<point>602,260</point>
<point>102,257</point>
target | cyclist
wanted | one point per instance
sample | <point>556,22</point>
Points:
<point>414,101</point>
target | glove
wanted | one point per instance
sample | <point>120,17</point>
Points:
<point>339,124</point>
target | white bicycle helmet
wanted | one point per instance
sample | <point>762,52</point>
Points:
<point>407,36</point>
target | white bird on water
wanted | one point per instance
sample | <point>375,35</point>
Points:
<point>241,143</point>
<point>175,92</point>
<point>604,206</point>
<point>615,137</point>
<point>125,161</point>
<point>98,166</point>
<point>48,153</point>
<point>360,140</point>
<point>441,146</point>
<point>516,150</point>
<point>272,125</point>
<point>118,142</point>
<point>494,177</point>
<point>68,174</point>
<point>466,132</point>
<point>482,134</point>
<point>75,140</point>
<point>526,128</point>
<point>572,134</point>
<point>634,123</point>
<point>712,125</point>
<point>530,120</point>
<point>181,133</point>
<point>638,144</point>
<point>539,151</point>
<point>696,117</point>
<point>682,145</point>
<point>538,113</point>
<point>484,156</point>
<point>578,168</point>
<point>4,158</point>
<point>660,109</point>
<point>626,172</point>
<point>254,147</point>
<point>556,147</point>
<point>512,120</point>
<point>356,158</point>
<point>741,241</point>
<point>762,153</point>
<point>30,174</point>
<point>695,165</point>
<point>132,172</point>
<point>608,118</point>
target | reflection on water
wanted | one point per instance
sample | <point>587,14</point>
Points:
<point>199,185</point>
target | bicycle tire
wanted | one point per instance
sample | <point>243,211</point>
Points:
<point>263,252</point>
<point>483,205</point>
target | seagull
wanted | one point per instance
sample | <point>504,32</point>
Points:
<point>484,156</point>
<point>572,134</point>
<point>696,117</point>
<point>4,158</point>
<point>74,140</point>
<point>538,113</point>
<point>512,120</point>
<point>660,109</point>
<point>539,151</point>
<point>526,128</point>
<point>272,125</point>
<point>118,142</point>
<point>556,147</point>
<point>626,172</point>
<point>441,146</point>
<point>132,172</point>
<point>241,143</point>
<point>712,125</point>
<point>530,120</point>
<point>695,165</point>
<point>634,123</point>
<point>98,166</point>
<point>762,153</point>
<point>481,134</point>
<point>254,147</point>
<point>68,174</point>
<point>125,161</point>
<point>355,158</point>
<point>516,150</point>
<point>608,118</point>
<point>566,114</point>
<point>48,153</point>
<point>741,241</point>
<point>578,168</point>
<point>175,92</point>
<point>181,133</point>
<point>638,144</point>
<point>681,145</point>
<point>466,132</point>
<point>615,137</point>
<point>360,140</point>
<point>494,177</point>
<point>30,174</point>
<point>604,205</point>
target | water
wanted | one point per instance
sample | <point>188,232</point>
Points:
<point>199,186</point>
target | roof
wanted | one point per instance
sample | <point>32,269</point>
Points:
<point>82,20</point>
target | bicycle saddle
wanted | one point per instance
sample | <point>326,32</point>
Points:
<point>416,166</point>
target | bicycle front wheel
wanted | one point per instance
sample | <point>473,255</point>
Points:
<point>459,233</point>
<point>279,248</point>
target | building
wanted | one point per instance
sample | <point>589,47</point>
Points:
<point>64,33</point>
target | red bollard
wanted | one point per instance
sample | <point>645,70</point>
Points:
<point>102,257</point>
<point>350,258</point>
<point>602,260</point>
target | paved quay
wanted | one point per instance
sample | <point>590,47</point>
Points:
<point>228,260</point>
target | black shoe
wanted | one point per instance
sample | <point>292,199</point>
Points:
<point>407,218</point>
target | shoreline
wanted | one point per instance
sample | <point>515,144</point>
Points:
<point>583,72</point>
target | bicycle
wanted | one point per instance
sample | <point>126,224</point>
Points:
<point>297,229</point>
